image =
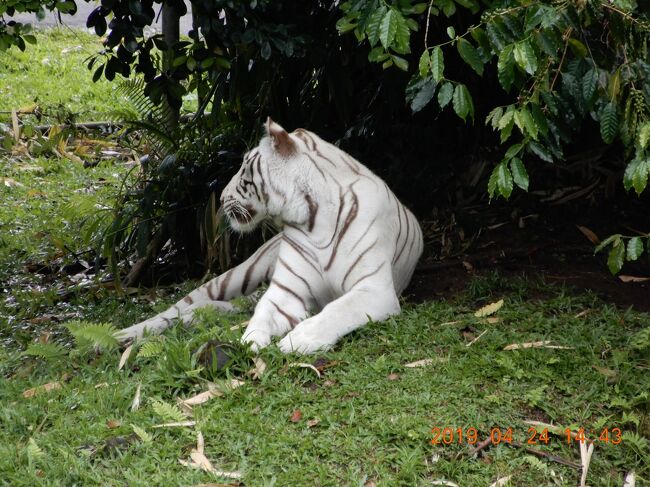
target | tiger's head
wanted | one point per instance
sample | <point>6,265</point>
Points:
<point>265,182</point>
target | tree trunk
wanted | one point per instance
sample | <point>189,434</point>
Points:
<point>171,35</point>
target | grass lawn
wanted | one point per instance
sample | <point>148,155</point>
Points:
<point>365,418</point>
<point>52,74</point>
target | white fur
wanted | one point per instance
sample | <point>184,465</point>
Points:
<point>347,250</point>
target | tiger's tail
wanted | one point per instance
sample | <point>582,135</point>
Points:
<point>241,280</point>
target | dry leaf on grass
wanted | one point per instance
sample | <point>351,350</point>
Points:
<point>10,182</point>
<point>475,339</point>
<point>199,460</point>
<point>112,424</point>
<point>258,370</point>
<point>448,483</point>
<point>176,424</point>
<point>449,323</point>
<point>125,356</point>
<point>586,451</point>
<point>489,309</point>
<point>296,416</point>
<point>542,344</point>
<point>419,363</point>
<point>501,481</point>
<point>630,479</point>
<point>393,376</point>
<point>492,319</point>
<point>214,391</point>
<point>243,324</point>
<point>135,405</point>
<point>50,386</point>
<point>306,366</point>
<point>200,398</point>
<point>625,278</point>
<point>313,422</point>
<point>593,238</point>
<point>582,313</point>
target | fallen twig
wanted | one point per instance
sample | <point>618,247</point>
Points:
<point>548,456</point>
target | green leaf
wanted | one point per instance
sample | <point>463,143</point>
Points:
<point>506,68</point>
<point>424,66</point>
<point>100,335</point>
<point>540,151</point>
<point>529,124</point>
<point>462,102</point>
<point>504,180</point>
<point>644,135</point>
<point>640,177</point>
<point>437,64</point>
<point>388,28</point>
<point>168,412</point>
<point>378,55</point>
<point>539,117</point>
<point>513,150</point>
<point>519,173</point>
<point>402,35</point>
<point>451,32</point>
<point>494,116</point>
<point>616,256</point>
<point>400,62</point>
<point>493,182</point>
<point>46,351</point>
<point>142,434</point>
<point>506,123</point>
<point>470,55</point>
<point>445,94</point>
<point>578,48</point>
<point>498,36</point>
<point>609,123</point>
<point>506,119</point>
<point>634,248</point>
<point>525,56</point>
<point>589,84</point>
<point>606,242</point>
<point>374,24</point>
<point>548,42</point>
<point>153,347</point>
<point>424,94</point>
<point>448,7</point>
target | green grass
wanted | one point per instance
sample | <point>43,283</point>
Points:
<point>374,416</point>
<point>367,418</point>
<point>52,74</point>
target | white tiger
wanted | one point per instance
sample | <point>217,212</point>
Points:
<point>347,247</point>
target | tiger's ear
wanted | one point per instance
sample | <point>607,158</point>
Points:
<point>280,139</point>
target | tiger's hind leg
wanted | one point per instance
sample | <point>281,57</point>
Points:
<point>241,280</point>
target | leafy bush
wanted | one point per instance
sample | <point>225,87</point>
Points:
<point>563,65</point>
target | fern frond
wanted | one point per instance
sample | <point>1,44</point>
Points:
<point>151,348</point>
<point>641,339</point>
<point>168,412</point>
<point>33,451</point>
<point>142,434</point>
<point>47,351</point>
<point>100,335</point>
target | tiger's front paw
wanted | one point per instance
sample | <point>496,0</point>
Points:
<point>258,337</point>
<point>308,337</point>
